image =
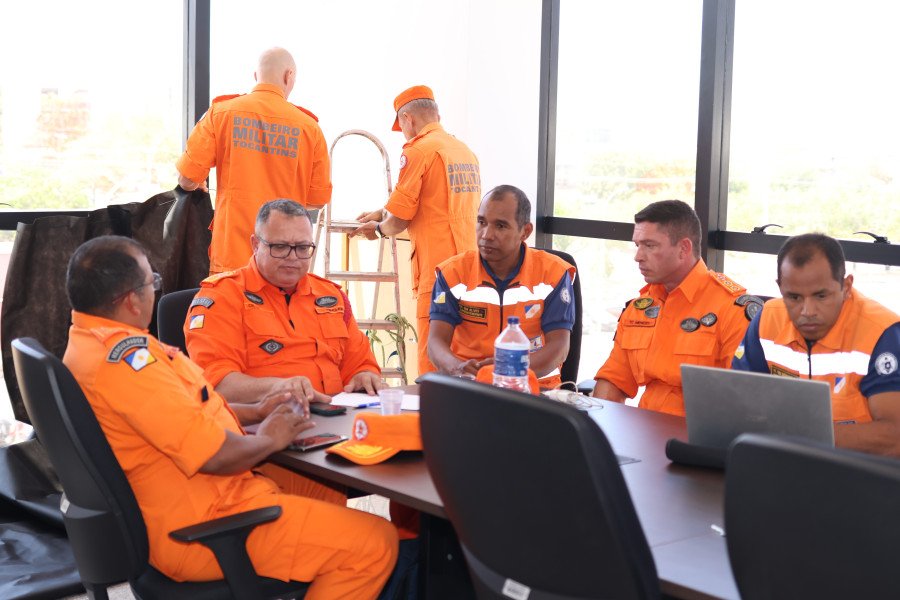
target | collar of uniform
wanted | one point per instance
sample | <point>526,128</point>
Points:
<point>86,321</point>
<point>502,284</point>
<point>435,126</point>
<point>269,87</point>
<point>255,282</point>
<point>833,340</point>
<point>689,286</point>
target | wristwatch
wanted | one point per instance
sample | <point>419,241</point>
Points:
<point>378,230</point>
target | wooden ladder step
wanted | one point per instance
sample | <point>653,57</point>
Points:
<point>343,226</point>
<point>388,276</point>
<point>392,372</point>
<point>382,324</point>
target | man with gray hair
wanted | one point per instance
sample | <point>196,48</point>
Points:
<point>436,198</point>
<point>475,292</point>
<point>274,320</point>
<point>262,147</point>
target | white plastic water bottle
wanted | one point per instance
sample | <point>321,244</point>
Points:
<point>511,357</point>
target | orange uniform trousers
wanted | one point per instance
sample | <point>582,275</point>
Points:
<point>164,422</point>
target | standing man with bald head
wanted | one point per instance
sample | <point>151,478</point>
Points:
<point>436,198</point>
<point>263,148</point>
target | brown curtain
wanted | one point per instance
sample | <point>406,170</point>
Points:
<point>173,226</point>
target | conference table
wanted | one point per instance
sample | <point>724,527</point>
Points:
<point>680,508</point>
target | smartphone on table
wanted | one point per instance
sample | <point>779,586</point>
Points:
<point>316,441</point>
<point>326,410</point>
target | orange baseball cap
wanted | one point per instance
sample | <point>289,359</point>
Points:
<point>376,438</point>
<point>416,92</point>
<point>486,375</point>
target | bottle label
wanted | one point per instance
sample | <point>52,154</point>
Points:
<point>510,363</point>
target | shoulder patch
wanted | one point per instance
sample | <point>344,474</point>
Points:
<point>727,283</point>
<point>201,301</point>
<point>214,279</point>
<point>308,112</point>
<point>225,97</point>
<point>139,359</point>
<point>118,351</point>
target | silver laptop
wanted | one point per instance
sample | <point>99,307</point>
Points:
<point>721,404</point>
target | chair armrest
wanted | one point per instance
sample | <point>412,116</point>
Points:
<point>230,525</point>
<point>227,538</point>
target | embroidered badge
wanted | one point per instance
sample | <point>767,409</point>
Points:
<point>197,322</point>
<point>751,310</point>
<point>886,363</point>
<point>727,283</point>
<point>739,353</point>
<point>532,310</point>
<point>709,319</point>
<point>139,359</point>
<point>360,430</point>
<point>326,301</point>
<point>253,298</point>
<point>652,312</point>
<point>536,343</point>
<point>475,312</point>
<point>271,346</point>
<point>743,299</point>
<point>643,303</point>
<point>690,324</point>
<point>839,383</point>
<point>441,298</point>
<point>402,160</point>
<point>119,350</point>
<point>564,296</point>
<point>201,301</point>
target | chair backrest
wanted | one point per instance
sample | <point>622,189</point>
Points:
<point>102,517</point>
<point>803,520</point>
<point>170,315</point>
<point>534,492</point>
<point>569,371</point>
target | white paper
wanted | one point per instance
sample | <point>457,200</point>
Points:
<point>362,399</point>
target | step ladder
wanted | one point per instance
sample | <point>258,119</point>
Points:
<point>329,225</point>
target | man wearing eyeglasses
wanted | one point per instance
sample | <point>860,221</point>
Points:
<point>273,320</point>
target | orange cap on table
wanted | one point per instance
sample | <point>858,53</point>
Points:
<point>375,438</point>
<point>486,375</point>
<point>416,92</point>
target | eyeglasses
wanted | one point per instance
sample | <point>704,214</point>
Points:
<point>284,250</point>
<point>155,281</point>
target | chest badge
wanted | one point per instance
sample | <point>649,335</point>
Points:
<point>326,301</point>
<point>253,298</point>
<point>751,310</point>
<point>271,346</point>
<point>652,312</point>
<point>643,303</point>
<point>709,319</point>
<point>690,324</point>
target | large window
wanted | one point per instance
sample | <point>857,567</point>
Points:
<point>90,102</point>
<point>626,117</point>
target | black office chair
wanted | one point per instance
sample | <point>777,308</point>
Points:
<point>102,517</point>
<point>803,520</point>
<point>170,315</point>
<point>534,493</point>
<point>569,370</point>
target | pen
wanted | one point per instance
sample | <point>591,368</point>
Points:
<point>369,405</point>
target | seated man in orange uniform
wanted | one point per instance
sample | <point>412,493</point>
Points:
<point>475,292</point>
<point>273,320</point>
<point>824,329</point>
<point>183,451</point>
<point>686,314</point>
<point>263,147</point>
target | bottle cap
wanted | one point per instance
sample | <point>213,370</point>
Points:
<point>512,321</point>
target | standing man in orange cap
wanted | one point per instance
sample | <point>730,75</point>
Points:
<point>263,148</point>
<point>436,198</point>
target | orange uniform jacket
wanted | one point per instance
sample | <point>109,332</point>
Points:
<point>484,312</point>
<point>263,148</point>
<point>438,191</point>
<point>847,358</point>
<point>239,322</point>
<point>697,323</point>
<point>164,422</point>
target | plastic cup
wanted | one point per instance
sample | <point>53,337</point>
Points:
<point>391,399</point>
